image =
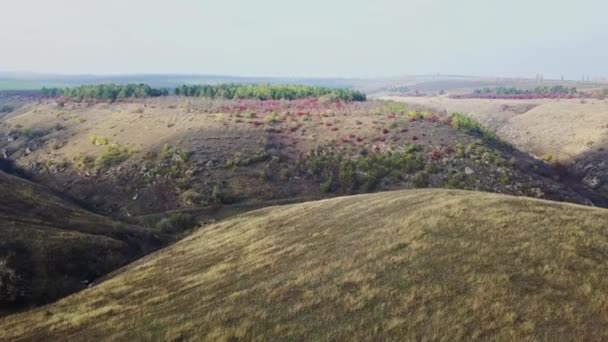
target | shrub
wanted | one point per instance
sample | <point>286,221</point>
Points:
<point>551,159</point>
<point>326,187</point>
<point>459,151</point>
<point>83,162</point>
<point>459,180</point>
<point>99,140</point>
<point>421,180</point>
<point>346,176</point>
<point>191,197</point>
<point>414,115</point>
<point>238,159</point>
<point>114,155</point>
<point>432,168</point>
<point>272,118</point>
<point>217,194</point>
<point>176,223</point>
<point>284,174</point>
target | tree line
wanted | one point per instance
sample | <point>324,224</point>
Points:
<point>105,92</point>
<point>558,89</point>
<point>113,92</point>
<point>268,92</point>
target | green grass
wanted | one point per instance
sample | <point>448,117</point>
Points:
<point>471,126</point>
<point>393,266</point>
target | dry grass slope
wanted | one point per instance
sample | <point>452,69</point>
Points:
<point>404,265</point>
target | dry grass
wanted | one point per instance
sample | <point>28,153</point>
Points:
<point>404,265</point>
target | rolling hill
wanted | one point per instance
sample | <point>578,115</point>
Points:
<point>147,156</point>
<point>50,247</point>
<point>402,265</point>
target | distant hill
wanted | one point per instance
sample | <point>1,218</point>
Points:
<point>50,247</point>
<point>27,81</point>
<point>403,265</point>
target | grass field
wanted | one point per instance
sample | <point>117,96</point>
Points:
<point>404,265</point>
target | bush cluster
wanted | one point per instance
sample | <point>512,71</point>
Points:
<point>336,172</point>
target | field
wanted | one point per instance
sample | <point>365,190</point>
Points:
<point>402,265</point>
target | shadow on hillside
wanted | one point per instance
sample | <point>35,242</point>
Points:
<point>590,169</point>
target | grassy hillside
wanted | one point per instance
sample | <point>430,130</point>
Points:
<point>50,247</point>
<point>153,155</point>
<point>404,265</point>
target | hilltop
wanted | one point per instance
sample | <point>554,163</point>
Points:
<point>391,266</point>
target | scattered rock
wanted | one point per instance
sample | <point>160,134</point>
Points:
<point>209,163</point>
<point>28,151</point>
<point>468,171</point>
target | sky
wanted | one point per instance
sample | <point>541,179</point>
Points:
<point>312,38</point>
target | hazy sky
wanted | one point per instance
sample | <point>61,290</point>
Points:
<point>350,38</point>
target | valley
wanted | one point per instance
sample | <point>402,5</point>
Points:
<point>250,187</point>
